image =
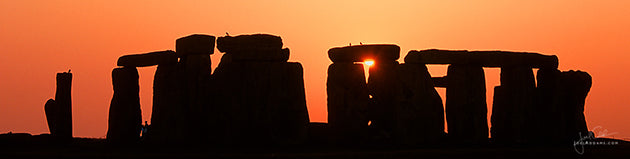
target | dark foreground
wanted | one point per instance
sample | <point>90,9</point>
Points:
<point>27,146</point>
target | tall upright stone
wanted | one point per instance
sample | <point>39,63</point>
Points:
<point>421,112</point>
<point>573,88</point>
<point>125,118</point>
<point>194,83</point>
<point>550,115</point>
<point>168,118</point>
<point>347,101</point>
<point>63,100</point>
<point>466,107</point>
<point>386,91</point>
<point>513,118</point>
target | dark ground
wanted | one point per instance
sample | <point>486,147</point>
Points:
<point>40,146</point>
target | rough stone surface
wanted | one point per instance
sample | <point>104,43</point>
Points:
<point>195,44</point>
<point>63,100</point>
<point>482,58</point>
<point>261,103</point>
<point>270,55</point>
<point>249,43</point>
<point>550,115</point>
<point>513,116</point>
<point>347,101</point>
<point>148,59</point>
<point>124,112</point>
<point>420,115</point>
<point>466,107</point>
<point>573,88</point>
<point>360,53</point>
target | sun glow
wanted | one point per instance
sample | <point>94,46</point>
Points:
<point>369,62</point>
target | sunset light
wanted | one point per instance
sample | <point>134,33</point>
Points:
<point>369,62</point>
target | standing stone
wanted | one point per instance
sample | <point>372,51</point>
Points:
<point>466,107</point>
<point>52,113</point>
<point>261,103</point>
<point>574,87</point>
<point>420,115</point>
<point>125,118</point>
<point>550,115</point>
<point>513,106</point>
<point>167,117</point>
<point>63,100</point>
<point>347,101</point>
<point>386,92</point>
<point>194,85</point>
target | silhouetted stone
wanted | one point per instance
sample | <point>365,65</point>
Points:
<point>249,43</point>
<point>347,101</point>
<point>52,113</point>
<point>482,58</point>
<point>260,103</point>
<point>550,115</point>
<point>466,107</point>
<point>319,133</point>
<point>386,93</point>
<point>195,44</point>
<point>271,55</point>
<point>63,100</point>
<point>148,59</point>
<point>573,88</point>
<point>440,81</point>
<point>420,115</point>
<point>513,118</point>
<point>360,53</point>
<point>124,112</point>
<point>168,118</point>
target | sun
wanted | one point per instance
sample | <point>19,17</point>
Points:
<point>369,62</point>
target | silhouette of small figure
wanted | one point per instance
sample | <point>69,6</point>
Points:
<point>227,34</point>
<point>144,128</point>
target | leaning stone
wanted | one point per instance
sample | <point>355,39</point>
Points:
<point>63,100</point>
<point>52,111</point>
<point>466,107</point>
<point>360,53</point>
<point>249,43</point>
<point>420,116</point>
<point>347,101</point>
<point>125,118</point>
<point>195,44</point>
<point>148,59</point>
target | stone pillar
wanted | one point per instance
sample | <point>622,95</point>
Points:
<point>421,112</point>
<point>168,119</point>
<point>550,116</point>
<point>466,109</point>
<point>386,91</point>
<point>347,101</point>
<point>573,89</point>
<point>125,118</point>
<point>63,100</point>
<point>513,118</point>
<point>194,86</point>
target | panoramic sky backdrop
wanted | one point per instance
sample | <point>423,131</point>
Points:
<point>41,38</point>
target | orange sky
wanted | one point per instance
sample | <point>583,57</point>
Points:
<point>41,38</point>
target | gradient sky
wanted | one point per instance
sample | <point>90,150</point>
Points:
<point>41,38</point>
